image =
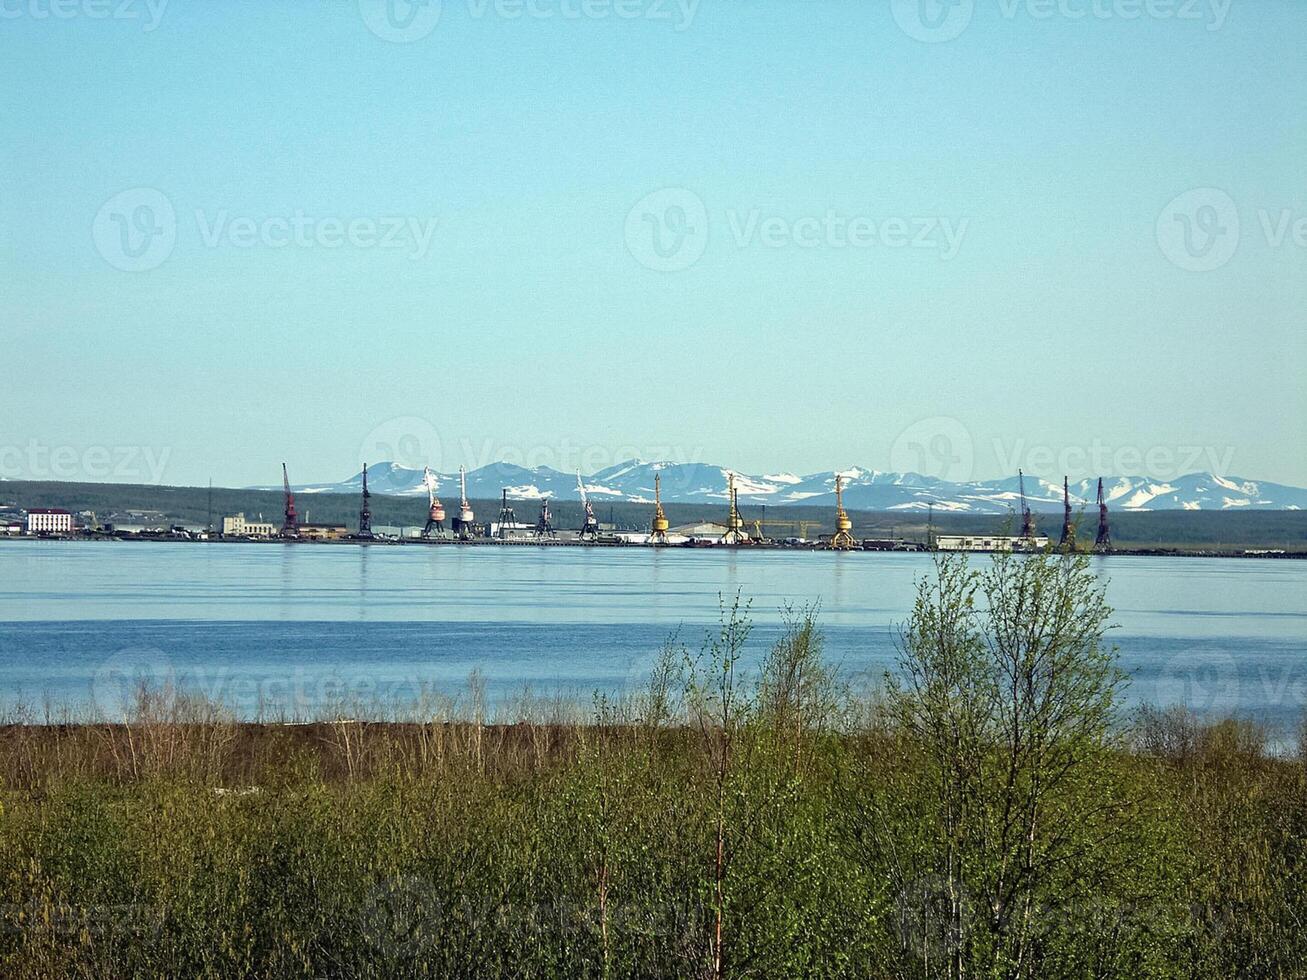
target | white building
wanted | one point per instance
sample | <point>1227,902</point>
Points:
<point>239,527</point>
<point>699,531</point>
<point>49,520</point>
<point>989,542</point>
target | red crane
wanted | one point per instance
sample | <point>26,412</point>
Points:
<point>290,527</point>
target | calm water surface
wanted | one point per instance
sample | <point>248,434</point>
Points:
<point>295,630</point>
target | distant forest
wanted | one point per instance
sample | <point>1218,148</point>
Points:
<point>1173,529</point>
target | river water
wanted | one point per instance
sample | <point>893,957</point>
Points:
<point>298,631</point>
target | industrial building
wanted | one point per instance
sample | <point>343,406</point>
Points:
<point>321,532</point>
<point>49,520</point>
<point>990,542</point>
<point>700,531</point>
<point>239,527</point>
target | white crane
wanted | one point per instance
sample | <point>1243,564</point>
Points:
<point>589,524</point>
<point>436,510</point>
<point>465,516</point>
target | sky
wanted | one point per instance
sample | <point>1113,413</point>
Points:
<point>961,238</point>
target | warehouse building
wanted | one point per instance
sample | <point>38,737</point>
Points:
<point>989,542</point>
<point>239,527</point>
<point>322,532</point>
<point>49,520</point>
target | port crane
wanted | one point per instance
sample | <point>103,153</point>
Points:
<point>365,510</point>
<point>1068,539</point>
<point>1103,543</point>
<point>507,519</point>
<point>842,539</point>
<point>659,525</point>
<point>735,533</point>
<point>465,516</point>
<point>435,509</point>
<point>589,523</point>
<point>1027,519</point>
<point>290,526</point>
<point>545,523</point>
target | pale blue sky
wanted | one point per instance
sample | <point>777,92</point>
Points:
<point>1059,321</point>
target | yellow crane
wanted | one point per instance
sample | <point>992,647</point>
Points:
<point>735,533</point>
<point>658,527</point>
<point>842,539</point>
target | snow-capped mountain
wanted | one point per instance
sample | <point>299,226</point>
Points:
<point>864,489</point>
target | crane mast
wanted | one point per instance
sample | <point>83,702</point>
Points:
<point>659,525</point>
<point>545,522</point>
<point>365,509</point>
<point>435,509</point>
<point>1102,543</point>
<point>1027,520</point>
<point>465,515</point>
<point>1068,540</point>
<point>842,539</point>
<point>735,533</point>
<point>290,527</point>
<point>589,523</point>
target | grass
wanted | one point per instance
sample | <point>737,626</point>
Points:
<point>177,845</point>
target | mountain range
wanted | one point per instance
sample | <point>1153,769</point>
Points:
<point>864,489</point>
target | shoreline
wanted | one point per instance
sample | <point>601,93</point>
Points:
<point>1151,552</point>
